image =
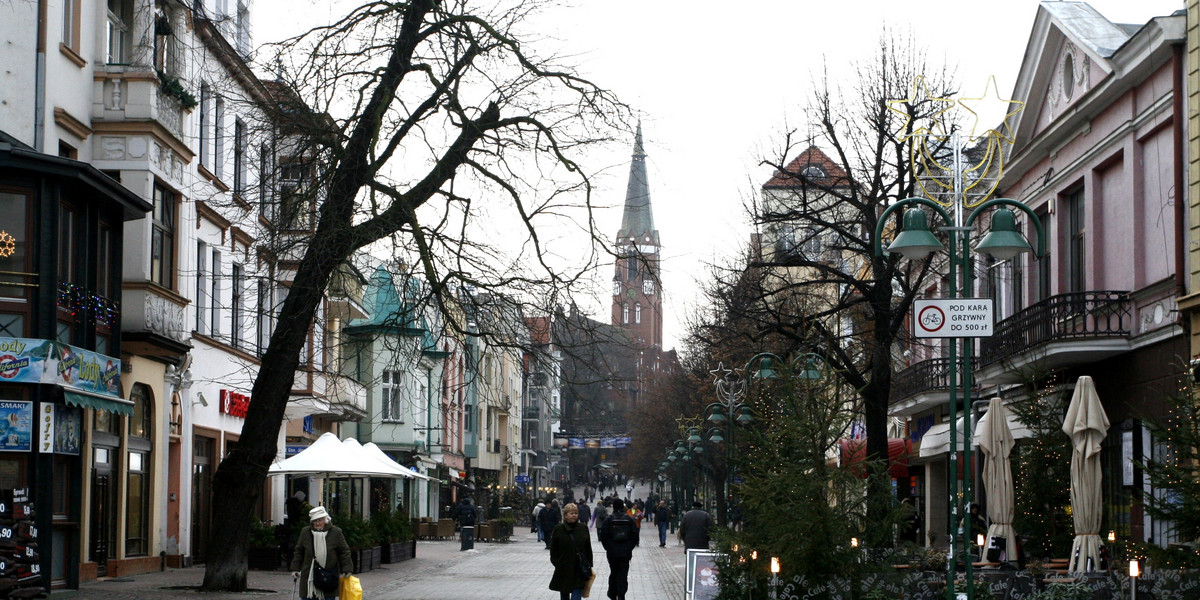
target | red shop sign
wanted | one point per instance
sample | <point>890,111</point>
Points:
<point>233,403</point>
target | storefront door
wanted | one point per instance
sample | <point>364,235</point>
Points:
<point>202,469</point>
<point>103,509</point>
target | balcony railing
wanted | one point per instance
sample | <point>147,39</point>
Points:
<point>925,376</point>
<point>1079,315</point>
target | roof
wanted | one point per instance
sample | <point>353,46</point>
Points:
<point>638,219</point>
<point>794,174</point>
<point>1089,27</point>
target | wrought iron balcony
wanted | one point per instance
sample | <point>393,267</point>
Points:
<point>931,375</point>
<point>1078,316</point>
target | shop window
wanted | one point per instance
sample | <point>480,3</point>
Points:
<point>137,507</point>
<point>106,422</point>
<point>141,423</point>
<point>15,276</point>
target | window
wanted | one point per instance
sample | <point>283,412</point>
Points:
<point>263,316</point>
<point>236,311</point>
<point>14,206</point>
<point>1018,282</point>
<point>219,136</point>
<point>201,287</point>
<point>391,391</point>
<point>68,237</point>
<point>1076,251</point>
<point>812,172</point>
<point>293,200</point>
<point>162,238</point>
<point>118,32</point>
<point>1068,77</point>
<point>141,425</point>
<point>104,261</point>
<point>243,29</point>
<point>215,295</point>
<point>166,52</point>
<point>70,24</point>
<point>137,508</point>
<point>625,313</point>
<point>239,157</point>
<point>631,268</point>
<point>264,172</point>
<point>205,100</point>
<point>1043,267</point>
<point>637,312</point>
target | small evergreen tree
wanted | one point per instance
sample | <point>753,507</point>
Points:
<point>1175,471</point>
<point>1041,467</point>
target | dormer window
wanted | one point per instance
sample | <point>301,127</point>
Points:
<point>813,172</point>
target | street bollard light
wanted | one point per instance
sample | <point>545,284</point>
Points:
<point>774,577</point>
<point>1135,571</point>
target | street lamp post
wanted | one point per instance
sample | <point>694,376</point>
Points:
<point>915,241</point>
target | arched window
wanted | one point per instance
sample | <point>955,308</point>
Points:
<point>625,313</point>
<point>637,312</point>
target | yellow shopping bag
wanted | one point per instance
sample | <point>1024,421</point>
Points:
<point>351,589</point>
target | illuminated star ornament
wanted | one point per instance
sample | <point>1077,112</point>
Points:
<point>935,179</point>
<point>719,373</point>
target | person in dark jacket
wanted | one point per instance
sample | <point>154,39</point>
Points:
<point>662,518</point>
<point>549,518</point>
<point>323,543</point>
<point>571,555</point>
<point>694,527</point>
<point>619,536</point>
<point>466,524</point>
<point>585,513</point>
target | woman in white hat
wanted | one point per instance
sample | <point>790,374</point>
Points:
<point>324,545</point>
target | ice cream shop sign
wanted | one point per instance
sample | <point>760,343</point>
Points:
<point>233,403</point>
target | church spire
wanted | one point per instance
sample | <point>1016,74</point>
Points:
<point>638,220</point>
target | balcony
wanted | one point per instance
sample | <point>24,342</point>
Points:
<point>530,413</point>
<point>1060,331</point>
<point>347,397</point>
<point>924,385</point>
<point>139,119</point>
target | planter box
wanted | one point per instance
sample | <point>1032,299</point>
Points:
<point>361,560</point>
<point>262,559</point>
<point>390,553</point>
<point>376,557</point>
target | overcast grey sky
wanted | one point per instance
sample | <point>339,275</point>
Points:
<point>715,81</point>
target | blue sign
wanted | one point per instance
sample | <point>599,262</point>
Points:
<point>308,425</point>
<point>16,426</point>
<point>521,479</point>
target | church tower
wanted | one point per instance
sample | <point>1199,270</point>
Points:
<point>637,290</point>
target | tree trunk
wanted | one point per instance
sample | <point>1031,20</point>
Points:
<point>238,482</point>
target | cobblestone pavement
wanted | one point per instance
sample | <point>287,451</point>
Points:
<point>518,569</point>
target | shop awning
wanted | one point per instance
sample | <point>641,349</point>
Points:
<point>899,451</point>
<point>110,404</point>
<point>936,441</point>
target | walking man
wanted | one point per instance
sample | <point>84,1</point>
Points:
<point>662,518</point>
<point>548,518</point>
<point>619,536</point>
<point>466,524</point>
<point>694,527</point>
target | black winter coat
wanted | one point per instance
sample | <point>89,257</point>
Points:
<point>618,550</point>
<point>567,543</point>
<point>550,517</point>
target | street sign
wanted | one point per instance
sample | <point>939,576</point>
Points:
<point>522,478</point>
<point>964,317</point>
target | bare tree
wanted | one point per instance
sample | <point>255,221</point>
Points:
<point>431,126</point>
<point>819,286</point>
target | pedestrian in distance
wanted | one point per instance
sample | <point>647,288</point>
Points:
<point>628,490</point>
<point>694,528</point>
<point>585,513</point>
<point>536,525</point>
<point>662,518</point>
<point>571,555</point>
<point>466,524</point>
<point>320,543</point>
<point>619,536</point>
<point>549,518</point>
<point>601,513</point>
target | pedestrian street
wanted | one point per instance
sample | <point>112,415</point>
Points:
<point>518,569</point>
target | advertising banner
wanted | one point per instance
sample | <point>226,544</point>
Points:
<point>16,426</point>
<point>27,360</point>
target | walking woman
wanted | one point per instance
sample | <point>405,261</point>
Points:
<point>571,555</point>
<point>323,544</point>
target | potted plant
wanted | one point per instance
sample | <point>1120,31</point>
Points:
<point>361,540</point>
<point>388,531</point>
<point>263,553</point>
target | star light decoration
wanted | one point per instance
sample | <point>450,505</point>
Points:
<point>923,158</point>
<point>8,244</point>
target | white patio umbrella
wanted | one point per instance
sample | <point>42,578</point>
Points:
<point>329,457</point>
<point>996,441</point>
<point>1087,425</point>
<point>372,450</point>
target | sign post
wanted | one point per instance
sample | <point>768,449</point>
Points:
<point>953,318</point>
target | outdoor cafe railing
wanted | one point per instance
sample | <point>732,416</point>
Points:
<point>1078,315</point>
<point>927,375</point>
